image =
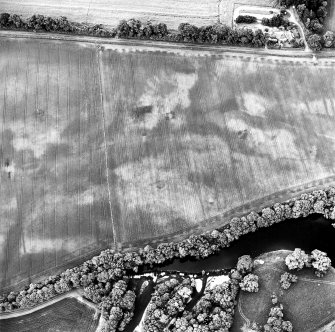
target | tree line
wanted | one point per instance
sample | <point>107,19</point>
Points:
<point>210,34</point>
<point>99,275</point>
<point>311,12</point>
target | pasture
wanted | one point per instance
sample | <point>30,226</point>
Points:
<point>308,304</point>
<point>110,12</point>
<point>65,315</point>
<point>128,146</point>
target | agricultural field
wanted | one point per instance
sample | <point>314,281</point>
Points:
<point>53,187</point>
<point>119,147</point>
<point>65,315</point>
<point>191,137</point>
<point>308,304</point>
<point>110,12</point>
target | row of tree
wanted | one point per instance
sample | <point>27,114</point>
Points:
<point>104,270</point>
<point>245,19</point>
<point>213,34</point>
<point>318,42</point>
<point>276,21</point>
<point>318,260</point>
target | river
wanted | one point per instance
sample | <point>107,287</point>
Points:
<point>312,232</point>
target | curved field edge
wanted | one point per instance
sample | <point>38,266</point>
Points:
<point>197,246</point>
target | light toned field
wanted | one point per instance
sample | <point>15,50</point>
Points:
<point>66,315</point>
<point>308,304</point>
<point>110,12</point>
<point>182,139</point>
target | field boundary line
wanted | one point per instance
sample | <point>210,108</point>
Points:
<point>103,118</point>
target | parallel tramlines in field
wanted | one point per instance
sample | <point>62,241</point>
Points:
<point>263,89</point>
<point>240,131</point>
<point>223,151</point>
<point>55,205</point>
<point>245,164</point>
